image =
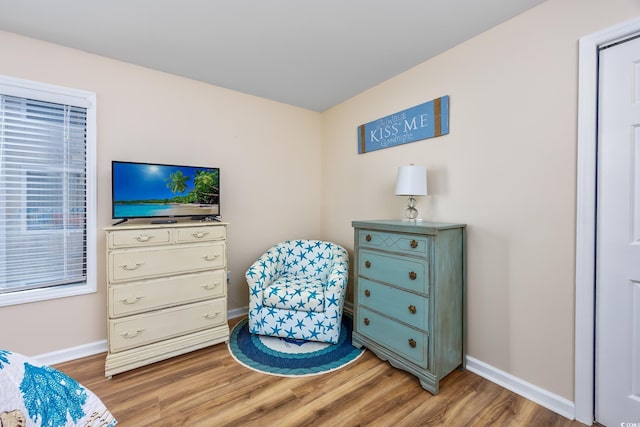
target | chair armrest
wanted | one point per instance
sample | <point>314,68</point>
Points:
<point>338,274</point>
<point>262,272</point>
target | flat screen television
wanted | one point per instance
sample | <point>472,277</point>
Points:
<point>151,190</point>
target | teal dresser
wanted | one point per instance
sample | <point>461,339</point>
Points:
<point>409,295</point>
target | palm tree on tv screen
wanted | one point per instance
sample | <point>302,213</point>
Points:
<point>177,182</point>
<point>206,187</point>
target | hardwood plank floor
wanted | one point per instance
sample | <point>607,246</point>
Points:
<point>209,388</point>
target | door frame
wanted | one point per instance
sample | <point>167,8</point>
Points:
<point>584,386</point>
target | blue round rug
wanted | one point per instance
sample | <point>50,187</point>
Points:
<point>291,358</point>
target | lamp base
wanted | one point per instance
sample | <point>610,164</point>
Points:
<point>411,213</point>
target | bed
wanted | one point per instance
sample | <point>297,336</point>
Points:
<point>33,394</point>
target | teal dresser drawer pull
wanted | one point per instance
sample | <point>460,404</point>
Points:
<point>412,309</point>
<point>412,343</point>
<point>367,264</point>
<point>366,321</point>
<point>367,293</point>
<point>412,275</point>
<point>414,244</point>
<point>368,238</point>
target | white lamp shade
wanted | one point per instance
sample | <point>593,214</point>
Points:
<point>411,181</point>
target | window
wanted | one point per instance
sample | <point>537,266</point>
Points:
<point>47,192</point>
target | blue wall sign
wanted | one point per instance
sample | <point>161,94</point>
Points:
<point>423,121</point>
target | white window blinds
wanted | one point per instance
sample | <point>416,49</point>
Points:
<point>43,194</point>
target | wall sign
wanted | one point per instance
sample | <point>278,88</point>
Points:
<point>423,121</point>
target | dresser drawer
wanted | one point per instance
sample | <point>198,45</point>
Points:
<point>154,262</point>
<point>138,297</point>
<point>142,329</point>
<point>136,238</point>
<point>396,242</point>
<point>404,272</point>
<point>200,234</point>
<point>404,306</point>
<point>407,342</point>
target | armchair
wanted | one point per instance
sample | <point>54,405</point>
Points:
<point>297,290</point>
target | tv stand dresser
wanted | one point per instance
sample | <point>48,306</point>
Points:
<point>167,291</point>
<point>409,295</point>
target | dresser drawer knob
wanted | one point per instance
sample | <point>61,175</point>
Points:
<point>210,257</point>
<point>412,275</point>
<point>199,234</point>
<point>414,244</point>
<point>133,335</point>
<point>412,309</point>
<point>368,238</point>
<point>366,321</point>
<point>367,293</point>
<point>412,343</point>
<point>131,300</point>
<point>143,237</point>
<point>210,286</point>
<point>367,264</point>
<point>211,316</point>
<point>128,267</point>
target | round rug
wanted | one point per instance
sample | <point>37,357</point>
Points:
<point>287,357</point>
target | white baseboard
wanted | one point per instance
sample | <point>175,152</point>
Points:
<point>72,353</point>
<point>348,307</point>
<point>551,401</point>
<point>237,312</point>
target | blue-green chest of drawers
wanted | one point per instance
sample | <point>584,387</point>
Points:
<point>409,295</point>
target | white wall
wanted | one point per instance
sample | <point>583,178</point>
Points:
<point>507,169</point>
<point>268,154</point>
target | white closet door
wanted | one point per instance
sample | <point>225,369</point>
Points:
<point>618,237</point>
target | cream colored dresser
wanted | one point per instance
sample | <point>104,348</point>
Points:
<point>167,292</point>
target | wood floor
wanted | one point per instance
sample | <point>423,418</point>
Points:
<point>209,388</point>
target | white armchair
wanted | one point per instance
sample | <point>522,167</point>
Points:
<point>297,290</point>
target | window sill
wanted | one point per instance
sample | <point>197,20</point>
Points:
<point>43,294</point>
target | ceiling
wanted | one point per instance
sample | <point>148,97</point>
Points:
<point>311,54</point>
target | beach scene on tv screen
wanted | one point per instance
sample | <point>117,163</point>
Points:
<point>149,190</point>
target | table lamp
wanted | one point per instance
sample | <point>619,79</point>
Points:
<point>411,181</point>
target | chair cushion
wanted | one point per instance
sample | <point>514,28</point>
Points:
<point>295,293</point>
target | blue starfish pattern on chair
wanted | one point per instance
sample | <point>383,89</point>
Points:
<point>297,290</point>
